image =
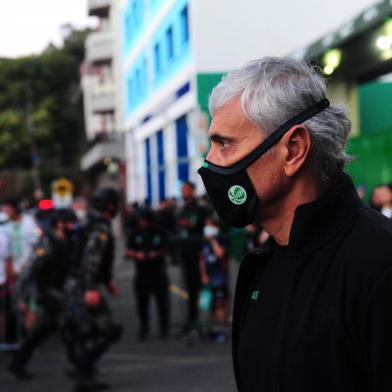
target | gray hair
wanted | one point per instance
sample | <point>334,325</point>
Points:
<point>273,90</point>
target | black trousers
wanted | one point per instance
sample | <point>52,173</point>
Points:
<point>88,336</point>
<point>190,265</point>
<point>46,325</point>
<point>152,283</point>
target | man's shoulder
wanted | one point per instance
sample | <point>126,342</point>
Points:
<point>369,247</point>
<point>372,230</point>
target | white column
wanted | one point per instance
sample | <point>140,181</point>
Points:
<point>197,144</point>
<point>170,159</point>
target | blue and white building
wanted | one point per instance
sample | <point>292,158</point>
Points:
<point>168,56</point>
<point>159,105</point>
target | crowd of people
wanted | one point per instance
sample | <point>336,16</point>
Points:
<point>54,272</point>
<point>55,267</point>
<point>187,235</point>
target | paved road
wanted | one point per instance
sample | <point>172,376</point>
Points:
<point>165,366</point>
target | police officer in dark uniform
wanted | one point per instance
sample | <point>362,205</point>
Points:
<point>50,267</point>
<point>191,220</point>
<point>89,328</point>
<point>148,247</point>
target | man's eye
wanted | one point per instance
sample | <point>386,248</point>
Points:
<point>224,144</point>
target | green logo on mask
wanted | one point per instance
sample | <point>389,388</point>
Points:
<point>237,194</point>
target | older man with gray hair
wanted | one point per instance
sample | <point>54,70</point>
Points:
<point>313,306</point>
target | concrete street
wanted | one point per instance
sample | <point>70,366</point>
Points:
<point>174,365</point>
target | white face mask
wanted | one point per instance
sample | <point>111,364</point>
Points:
<point>81,214</point>
<point>210,231</point>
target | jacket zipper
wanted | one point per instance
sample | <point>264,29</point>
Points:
<point>280,332</point>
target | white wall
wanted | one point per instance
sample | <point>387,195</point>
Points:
<point>116,15</point>
<point>229,33</point>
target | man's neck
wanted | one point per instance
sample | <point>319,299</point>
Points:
<point>279,221</point>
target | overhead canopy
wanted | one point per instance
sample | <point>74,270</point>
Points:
<point>367,20</point>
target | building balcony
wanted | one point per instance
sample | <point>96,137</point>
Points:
<point>106,146</point>
<point>99,8</point>
<point>103,98</point>
<point>99,47</point>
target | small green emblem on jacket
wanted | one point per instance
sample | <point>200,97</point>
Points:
<point>255,295</point>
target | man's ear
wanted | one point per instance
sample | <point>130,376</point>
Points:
<point>296,143</point>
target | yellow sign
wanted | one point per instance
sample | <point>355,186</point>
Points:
<point>62,187</point>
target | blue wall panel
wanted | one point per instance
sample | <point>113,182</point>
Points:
<point>161,165</point>
<point>172,39</point>
<point>147,145</point>
<point>137,84</point>
<point>182,149</point>
<point>165,55</point>
<point>134,23</point>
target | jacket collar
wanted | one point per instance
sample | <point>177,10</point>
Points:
<point>319,221</point>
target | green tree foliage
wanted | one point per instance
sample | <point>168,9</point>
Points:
<point>48,87</point>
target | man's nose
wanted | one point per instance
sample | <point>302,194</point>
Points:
<point>211,156</point>
<point>208,157</point>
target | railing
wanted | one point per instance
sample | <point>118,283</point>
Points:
<point>103,98</point>
<point>99,47</point>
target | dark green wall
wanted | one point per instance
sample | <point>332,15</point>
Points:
<point>373,164</point>
<point>205,83</point>
<point>373,149</point>
<point>375,106</point>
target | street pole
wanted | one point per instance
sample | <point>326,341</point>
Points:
<point>33,146</point>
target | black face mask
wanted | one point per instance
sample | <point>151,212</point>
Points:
<point>229,187</point>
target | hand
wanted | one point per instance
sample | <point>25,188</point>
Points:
<point>23,308</point>
<point>204,279</point>
<point>11,275</point>
<point>31,319</point>
<point>140,256</point>
<point>92,298</point>
<point>184,222</point>
<point>112,289</point>
<point>153,254</point>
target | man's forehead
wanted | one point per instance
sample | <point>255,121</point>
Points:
<point>230,120</point>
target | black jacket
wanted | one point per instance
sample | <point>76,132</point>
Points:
<point>97,252</point>
<point>335,330</point>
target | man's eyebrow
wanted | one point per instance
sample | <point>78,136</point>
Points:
<point>217,137</point>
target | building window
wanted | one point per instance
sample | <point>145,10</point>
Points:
<point>128,25</point>
<point>145,74</point>
<point>184,25</point>
<point>130,92</point>
<point>139,82</point>
<point>135,11</point>
<point>157,57</point>
<point>170,43</point>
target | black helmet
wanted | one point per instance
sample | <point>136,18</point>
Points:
<point>146,214</point>
<point>64,215</point>
<point>106,200</point>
